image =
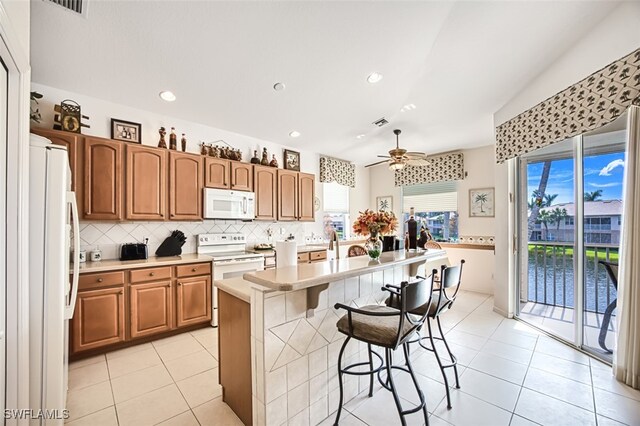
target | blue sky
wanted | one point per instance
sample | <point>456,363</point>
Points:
<point>604,172</point>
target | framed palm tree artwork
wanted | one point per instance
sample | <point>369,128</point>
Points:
<point>384,203</point>
<point>482,202</point>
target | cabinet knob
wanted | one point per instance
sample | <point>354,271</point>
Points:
<point>121,292</point>
<point>179,283</point>
<point>151,274</point>
<point>173,215</point>
<point>100,280</point>
<point>168,285</point>
<point>86,213</point>
<point>193,269</point>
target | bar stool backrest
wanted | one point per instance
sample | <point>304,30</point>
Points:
<point>412,296</point>
<point>612,271</point>
<point>450,279</point>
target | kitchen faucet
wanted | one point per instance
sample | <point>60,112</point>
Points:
<point>334,237</point>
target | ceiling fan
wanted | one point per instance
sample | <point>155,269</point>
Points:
<point>398,157</point>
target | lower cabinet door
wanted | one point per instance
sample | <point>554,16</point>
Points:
<point>194,300</point>
<point>150,308</point>
<point>99,319</point>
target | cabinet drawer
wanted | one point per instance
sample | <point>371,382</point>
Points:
<point>148,274</point>
<point>103,279</point>
<point>193,270</point>
<point>303,257</point>
<point>317,255</point>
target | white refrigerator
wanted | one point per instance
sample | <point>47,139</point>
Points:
<point>52,291</point>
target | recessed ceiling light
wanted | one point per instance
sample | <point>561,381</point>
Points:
<point>167,96</point>
<point>360,136</point>
<point>294,134</point>
<point>278,87</point>
<point>374,77</point>
<point>408,107</point>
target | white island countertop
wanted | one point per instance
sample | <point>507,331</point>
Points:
<point>307,275</point>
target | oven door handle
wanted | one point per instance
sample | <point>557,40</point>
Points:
<point>244,205</point>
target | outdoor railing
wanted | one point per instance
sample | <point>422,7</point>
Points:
<point>551,275</point>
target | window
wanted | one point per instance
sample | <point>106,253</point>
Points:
<point>436,208</point>
<point>336,208</point>
<point>568,220</point>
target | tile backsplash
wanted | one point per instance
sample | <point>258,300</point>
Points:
<point>109,236</point>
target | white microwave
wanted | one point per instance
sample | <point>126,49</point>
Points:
<point>227,204</point>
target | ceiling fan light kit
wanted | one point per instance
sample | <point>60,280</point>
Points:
<point>399,158</point>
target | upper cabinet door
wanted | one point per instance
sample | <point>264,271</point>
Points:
<point>69,141</point>
<point>217,172</point>
<point>146,183</point>
<point>185,186</point>
<point>287,195</point>
<point>265,185</point>
<point>241,176</point>
<point>102,179</point>
<point>306,196</point>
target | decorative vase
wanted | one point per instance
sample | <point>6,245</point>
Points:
<point>373,246</point>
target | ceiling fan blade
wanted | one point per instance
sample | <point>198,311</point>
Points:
<point>416,154</point>
<point>418,162</point>
<point>384,156</point>
<point>375,164</point>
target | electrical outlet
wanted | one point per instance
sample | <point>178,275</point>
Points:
<point>282,231</point>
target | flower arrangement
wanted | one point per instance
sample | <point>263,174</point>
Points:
<point>370,222</point>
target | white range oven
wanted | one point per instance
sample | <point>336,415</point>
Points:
<point>230,259</point>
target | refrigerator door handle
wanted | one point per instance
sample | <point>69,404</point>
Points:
<point>69,309</point>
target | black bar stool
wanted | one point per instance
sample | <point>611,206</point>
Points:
<point>389,328</point>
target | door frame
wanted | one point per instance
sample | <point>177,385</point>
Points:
<point>16,60</point>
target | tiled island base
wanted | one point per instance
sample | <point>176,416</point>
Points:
<point>295,376</point>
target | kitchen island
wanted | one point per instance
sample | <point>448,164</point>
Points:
<point>284,319</point>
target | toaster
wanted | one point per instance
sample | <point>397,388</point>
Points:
<point>134,251</point>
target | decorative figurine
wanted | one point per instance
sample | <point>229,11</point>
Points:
<point>239,155</point>
<point>412,228</point>
<point>162,143</point>
<point>183,142</point>
<point>68,117</point>
<point>274,162</point>
<point>265,157</point>
<point>255,159</point>
<point>204,149</point>
<point>173,139</point>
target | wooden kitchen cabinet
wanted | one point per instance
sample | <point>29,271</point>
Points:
<point>102,179</point>
<point>98,319</point>
<point>146,183</point>
<point>306,197</point>
<point>217,172</point>
<point>193,302</point>
<point>150,308</point>
<point>68,140</point>
<point>185,186</point>
<point>287,195</point>
<point>241,176</point>
<point>265,184</point>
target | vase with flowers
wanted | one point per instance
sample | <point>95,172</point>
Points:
<point>374,224</point>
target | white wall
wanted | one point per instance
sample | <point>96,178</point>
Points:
<point>614,37</point>
<point>478,166</point>
<point>382,183</point>
<point>18,12</point>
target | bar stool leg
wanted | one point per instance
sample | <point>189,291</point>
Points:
<point>389,361</point>
<point>370,368</point>
<point>454,360</point>
<point>421,395</point>
<point>344,345</point>
<point>444,374</point>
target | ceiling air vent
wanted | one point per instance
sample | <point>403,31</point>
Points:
<point>381,122</point>
<point>77,6</point>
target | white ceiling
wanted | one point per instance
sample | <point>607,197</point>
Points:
<point>458,62</point>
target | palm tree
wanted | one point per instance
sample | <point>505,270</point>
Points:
<point>593,196</point>
<point>482,199</point>
<point>556,216</point>
<point>542,187</point>
<point>549,199</point>
<point>544,218</point>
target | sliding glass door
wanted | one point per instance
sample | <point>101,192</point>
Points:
<point>570,214</point>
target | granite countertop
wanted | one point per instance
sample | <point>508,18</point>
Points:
<point>306,275</point>
<point>114,264</point>
<point>238,287</point>
<point>308,247</point>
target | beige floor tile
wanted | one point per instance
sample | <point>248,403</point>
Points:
<point>87,361</point>
<point>105,417</point>
<point>208,337</point>
<point>190,365</point>
<point>617,407</point>
<point>381,409</point>
<point>140,382</point>
<point>128,351</point>
<point>172,339</point>
<point>88,375</point>
<point>185,419</point>
<point>132,362</point>
<point>179,348</point>
<point>88,400</point>
<point>469,410</point>
<point>216,412</point>
<point>152,408</point>
<point>545,410</point>
<point>561,388</point>
<point>200,388</point>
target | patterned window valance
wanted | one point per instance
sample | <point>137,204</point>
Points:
<point>333,170</point>
<point>591,103</point>
<point>442,168</point>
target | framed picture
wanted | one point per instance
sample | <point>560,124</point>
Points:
<point>384,203</point>
<point>482,202</point>
<point>126,131</point>
<point>291,160</point>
